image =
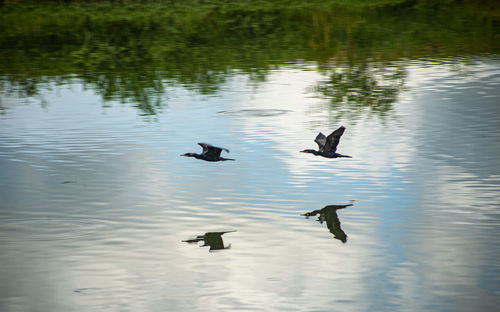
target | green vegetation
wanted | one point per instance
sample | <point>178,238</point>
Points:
<point>130,50</point>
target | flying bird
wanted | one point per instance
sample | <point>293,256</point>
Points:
<point>328,145</point>
<point>210,153</point>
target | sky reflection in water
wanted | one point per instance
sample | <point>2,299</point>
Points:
<point>96,200</point>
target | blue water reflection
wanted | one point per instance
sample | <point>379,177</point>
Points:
<point>96,200</point>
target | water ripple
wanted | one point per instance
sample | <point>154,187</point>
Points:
<point>256,112</point>
<point>14,230</point>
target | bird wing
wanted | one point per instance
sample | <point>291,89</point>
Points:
<point>211,151</point>
<point>333,140</point>
<point>335,207</point>
<point>320,140</point>
<point>219,233</point>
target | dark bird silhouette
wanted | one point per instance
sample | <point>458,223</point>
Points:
<point>212,239</point>
<point>328,145</point>
<point>210,153</point>
<point>329,214</point>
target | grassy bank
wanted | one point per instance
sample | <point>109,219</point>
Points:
<point>128,46</point>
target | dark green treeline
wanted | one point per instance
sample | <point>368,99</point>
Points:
<point>131,49</point>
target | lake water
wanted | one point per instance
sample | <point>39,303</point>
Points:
<point>96,204</point>
<point>96,200</point>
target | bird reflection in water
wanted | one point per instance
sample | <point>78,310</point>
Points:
<point>329,214</point>
<point>212,239</point>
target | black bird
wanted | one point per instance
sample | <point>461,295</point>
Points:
<point>329,214</point>
<point>212,239</point>
<point>328,145</point>
<point>210,153</point>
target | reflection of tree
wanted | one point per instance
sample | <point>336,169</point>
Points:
<point>329,214</point>
<point>21,86</point>
<point>359,87</point>
<point>127,52</point>
<point>212,239</point>
<point>140,88</point>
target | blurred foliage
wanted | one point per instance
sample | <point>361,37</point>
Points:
<point>131,50</point>
<point>360,87</point>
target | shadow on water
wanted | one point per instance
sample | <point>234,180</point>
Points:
<point>211,239</point>
<point>132,52</point>
<point>329,214</point>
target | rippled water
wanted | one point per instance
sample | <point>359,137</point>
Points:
<point>96,201</point>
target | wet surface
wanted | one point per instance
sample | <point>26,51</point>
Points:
<point>98,212</point>
<point>96,201</point>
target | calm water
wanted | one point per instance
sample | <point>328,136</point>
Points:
<point>96,200</point>
<point>98,211</point>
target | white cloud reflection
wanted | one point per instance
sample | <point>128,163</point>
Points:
<point>421,234</point>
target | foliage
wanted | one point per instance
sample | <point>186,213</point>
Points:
<point>129,50</point>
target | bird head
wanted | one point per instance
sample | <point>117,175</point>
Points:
<point>190,155</point>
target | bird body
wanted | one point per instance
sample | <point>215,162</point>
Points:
<point>210,153</point>
<point>327,145</point>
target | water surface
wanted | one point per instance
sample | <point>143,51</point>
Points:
<point>96,201</point>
